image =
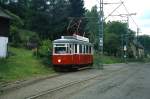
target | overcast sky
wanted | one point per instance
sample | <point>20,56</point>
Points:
<point>140,7</point>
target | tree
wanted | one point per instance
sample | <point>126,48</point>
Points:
<point>77,8</point>
<point>38,17</point>
<point>59,20</point>
<point>92,26</point>
<point>145,41</point>
<point>77,12</point>
<point>49,18</point>
<point>114,37</point>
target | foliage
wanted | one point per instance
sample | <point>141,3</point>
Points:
<point>77,8</point>
<point>15,37</point>
<point>20,37</point>
<point>45,51</point>
<point>45,48</point>
<point>16,20</point>
<point>92,26</point>
<point>114,37</point>
<point>34,40</point>
<point>26,35</point>
<point>112,46</point>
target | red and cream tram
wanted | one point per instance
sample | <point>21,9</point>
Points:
<point>72,52</point>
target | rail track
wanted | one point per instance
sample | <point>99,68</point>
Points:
<point>8,87</point>
<point>83,82</point>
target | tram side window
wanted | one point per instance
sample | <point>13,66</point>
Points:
<point>67,49</point>
<point>87,48</point>
<point>90,49</point>
<point>70,48</point>
<point>60,50</point>
<point>80,48</point>
<point>84,49</point>
<point>75,48</point>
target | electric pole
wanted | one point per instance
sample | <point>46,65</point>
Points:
<point>101,27</point>
<point>101,23</point>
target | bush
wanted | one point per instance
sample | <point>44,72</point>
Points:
<point>45,51</point>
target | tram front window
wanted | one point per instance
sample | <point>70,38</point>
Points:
<point>60,50</point>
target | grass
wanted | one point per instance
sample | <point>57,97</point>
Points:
<point>99,60</point>
<point>20,65</point>
<point>146,60</point>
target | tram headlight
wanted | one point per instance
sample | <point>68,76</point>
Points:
<point>59,60</point>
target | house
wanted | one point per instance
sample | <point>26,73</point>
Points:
<point>4,32</point>
<point>137,49</point>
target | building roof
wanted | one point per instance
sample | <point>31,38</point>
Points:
<point>138,44</point>
<point>3,14</point>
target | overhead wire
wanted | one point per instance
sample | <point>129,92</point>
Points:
<point>113,10</point>
<point>129,14</point>
<point>122,3</point>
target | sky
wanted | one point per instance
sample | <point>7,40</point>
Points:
<point>140,7</point>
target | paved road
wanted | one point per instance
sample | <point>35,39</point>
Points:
<point>133,83</point>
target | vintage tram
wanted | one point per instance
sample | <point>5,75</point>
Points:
<point>72,52</point>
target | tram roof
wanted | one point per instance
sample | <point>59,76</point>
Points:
<point>71,41</point>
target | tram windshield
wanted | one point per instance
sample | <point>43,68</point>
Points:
<point>60,50</point>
